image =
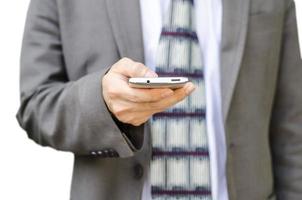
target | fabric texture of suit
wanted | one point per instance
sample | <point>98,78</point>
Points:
<point>70,44</point>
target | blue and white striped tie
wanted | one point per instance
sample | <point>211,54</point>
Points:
<point>180,165</point>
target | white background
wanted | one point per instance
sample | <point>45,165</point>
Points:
<point>28,171</point>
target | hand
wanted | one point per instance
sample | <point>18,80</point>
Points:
<point>136,106</point>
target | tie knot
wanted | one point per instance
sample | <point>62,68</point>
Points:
<point>180,15</point>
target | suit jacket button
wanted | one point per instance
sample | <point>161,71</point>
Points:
<point>116,154</point>
<point>112,153</point>
<point>138,171</point>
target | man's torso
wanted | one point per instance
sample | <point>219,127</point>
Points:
<point>96,33</point>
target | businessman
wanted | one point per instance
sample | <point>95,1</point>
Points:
<point>234,132</point>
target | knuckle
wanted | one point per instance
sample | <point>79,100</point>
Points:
<point>140,68</point>
<point>126,120</point>
<point>118,111</point>
<point>112,92</point>
<point>140,65</point>
<point>125,60</point>
<point>117,66</point>
<point>124,114</point>
<point>114,67</point>
<point>137,123</point>
<point>120,117</point>
<point>114,109</point>
<point>109,105</point>
<point>130,119</point>
<point>105,79</point>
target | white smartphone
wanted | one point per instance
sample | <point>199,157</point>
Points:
<point>159,82</point>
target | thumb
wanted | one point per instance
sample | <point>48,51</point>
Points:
<point>130,68</point>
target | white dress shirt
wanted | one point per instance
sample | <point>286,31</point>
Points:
<point>209,23</point>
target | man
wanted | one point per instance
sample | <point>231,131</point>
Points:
<point>78,55</point>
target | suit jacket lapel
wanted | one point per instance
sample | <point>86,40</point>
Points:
<point>125,18</point>
<point>234,30</point>
<point>126,24</point>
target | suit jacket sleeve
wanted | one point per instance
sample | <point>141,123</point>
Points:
<point>55,111</point>
<point>286,126</point>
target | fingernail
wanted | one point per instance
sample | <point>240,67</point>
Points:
<point>189,89</point>
<point>151,74</point>
<point>167,94</point>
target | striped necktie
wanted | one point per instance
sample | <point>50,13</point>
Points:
<point>180,165</point>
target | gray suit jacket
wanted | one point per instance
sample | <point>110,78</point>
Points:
<point>69,45</point>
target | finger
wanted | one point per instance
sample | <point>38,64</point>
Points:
<point>163,104</point>
<point>145,95</point>
<point>178,96</point>
<point>122,90</point>
<point>130,68</point>
<point>128,112</point>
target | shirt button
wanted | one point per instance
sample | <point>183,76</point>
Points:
<point>138,171</point>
